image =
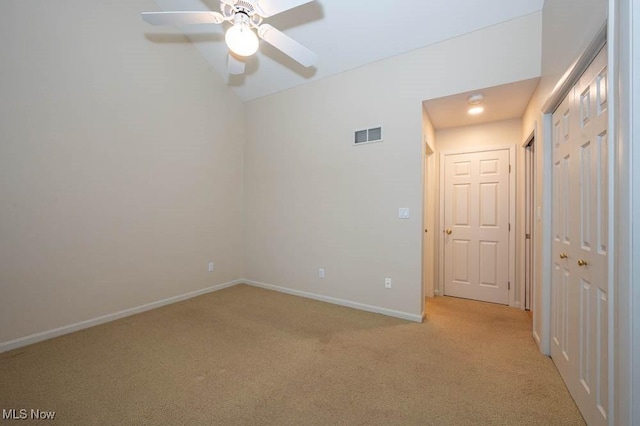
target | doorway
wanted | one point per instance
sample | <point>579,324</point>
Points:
<point>428,239</point>
<point>529,221</point>
<point>477,211</point>
<point>451,129</point>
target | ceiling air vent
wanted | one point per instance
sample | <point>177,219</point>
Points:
<point>369,135</point>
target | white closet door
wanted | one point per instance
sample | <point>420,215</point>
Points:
<point>579,341</point>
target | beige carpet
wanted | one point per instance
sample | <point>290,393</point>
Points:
<point>250,356</point>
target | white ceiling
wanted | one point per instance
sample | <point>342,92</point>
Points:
<point>345,34</point>
<point>500,103</point>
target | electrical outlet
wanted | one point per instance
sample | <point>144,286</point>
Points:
<point>387,283</point>
<point>321,272</point>
<point>211,266</point>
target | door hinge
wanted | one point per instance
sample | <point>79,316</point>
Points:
<point>509,285</point>
<point>509,168</point>
<point>509,227</point>
<point>527,236</point>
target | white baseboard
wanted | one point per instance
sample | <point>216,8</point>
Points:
<point>49,334</point>
<point>536,337</point>
<point>335,301</point>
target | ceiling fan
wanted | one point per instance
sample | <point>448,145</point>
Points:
<point>245,15</point>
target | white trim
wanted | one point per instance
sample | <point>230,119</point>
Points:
<point>515,284</point>
<point>532,138</point>
<point>633,284</point>
<point>439,289</point>
<point>67,329</point>
<point>428,175</point>
<point>575,70</point>
<point>624,60</point>
<point>479,149</point>
<point>546,231</point>
<point>341,302</point>
<point>49,334</point>
<point>613,241</point>
<point>439,286</point>
<point>536,337</point>
<point>423,240</point>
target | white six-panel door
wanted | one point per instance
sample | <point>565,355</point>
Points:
<point>476,225</point>
<point>579,293</point>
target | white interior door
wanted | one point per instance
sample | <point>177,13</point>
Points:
<point>476,226</point>
<point>579,322</point>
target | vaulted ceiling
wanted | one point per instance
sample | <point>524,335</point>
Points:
<point>345,34</point>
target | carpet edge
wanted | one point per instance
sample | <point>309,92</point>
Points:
<point>341,302</point>
<point>70,328</point>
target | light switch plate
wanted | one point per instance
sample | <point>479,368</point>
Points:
<point>403,213</point>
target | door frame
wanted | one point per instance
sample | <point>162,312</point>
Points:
<point>624,42</point>
<point>514,301</point>
<point>527,257</point>
<point>562,88</point>
<point>428,223</point>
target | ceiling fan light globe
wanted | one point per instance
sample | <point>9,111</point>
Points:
<point>241,40</point>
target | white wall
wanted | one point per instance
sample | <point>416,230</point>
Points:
<point>314,200</point>
<point>567,28</point>
<point>497,133</point>
<point>120,165</point>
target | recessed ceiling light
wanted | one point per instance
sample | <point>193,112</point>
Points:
<point>476,110</point>
<point>476,99</point>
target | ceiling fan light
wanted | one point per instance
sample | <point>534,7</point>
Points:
<point>242,40</point>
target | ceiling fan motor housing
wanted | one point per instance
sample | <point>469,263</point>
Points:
<point>242,7</point>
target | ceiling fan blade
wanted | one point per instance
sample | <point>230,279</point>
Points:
<point>182,18</point>
<point>266,8</point>
<point>235,66</point>
<point>281,41</point>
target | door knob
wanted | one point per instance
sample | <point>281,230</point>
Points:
<point>448,231</point>
<point>582,262</point>
<point>563,256</point>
